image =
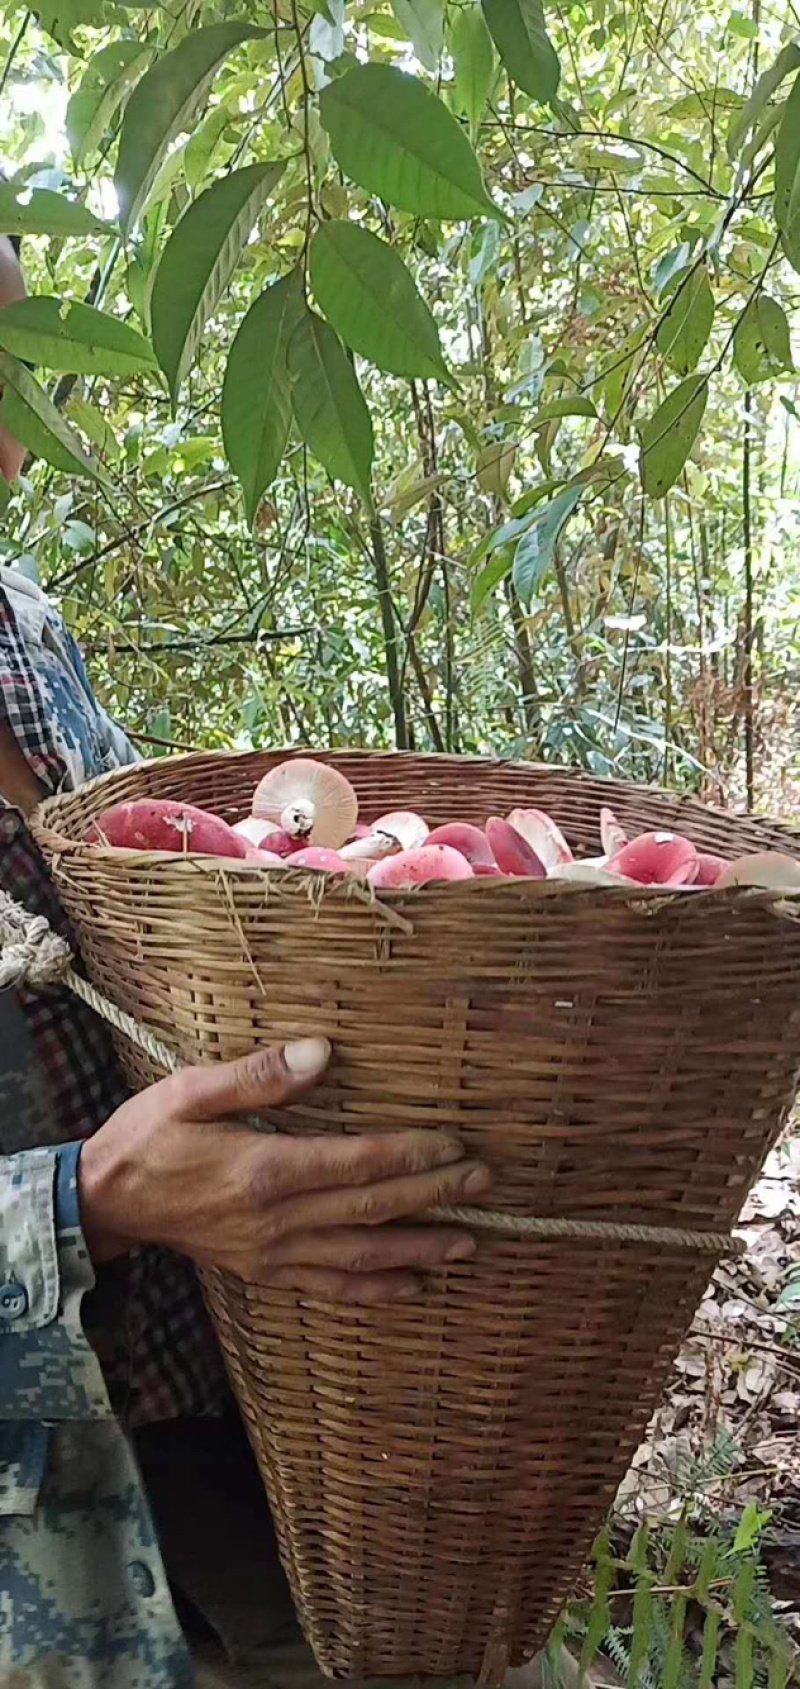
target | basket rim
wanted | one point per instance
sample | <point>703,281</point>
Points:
<point>293,880</point>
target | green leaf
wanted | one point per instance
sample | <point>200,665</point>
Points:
<point>423,22</point>
<point>790,1294</point>
<point>787,177</point>
<point>744,27</point>
<point>256,393</point>
<point>684,330</point>
<point>642,1628</point>
<point>745,1668</point>
<point>669,435</point>
<point>162,106</point>
<point>527,501</point>
<point>392,136</point>
<point>474,63</point>
<point>409,488</point>
<point>198,261</point>
<point>742,1594</point>
<point>494,466</point>
<point>787,61</point>
<point>203,145</point>
<point>599,1619</point>
<point>329,406</point>
<point>534,552</point>
<point>750,1527</point>
<point>706,103</point>
<point>93,424</point>
<point>40,211</point>
<point>60,17</point>
<point>707,1570</point>
<point>28,414</point>
<point>197,449</point>
<point>490,576</point>
<point>372,301</point>
<point>484,250</point>
<point>104,87</point>
<point>563,407</point>
<point>761,344</point>
<point>708,1663</point>
<point>781,1666</point>
<point>518,30</point>
<point>669,267</point>
<point>678,1551</point>
<point>674,1657</point>
<point>72,337</point>
<point>379,23</point>
<point>762,135</point>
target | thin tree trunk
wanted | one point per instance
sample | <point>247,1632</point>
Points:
<point>747,524</point>
<point>389,634</point>
<point>668,642</point>
<point>425,693</point>
<point>527,672</point>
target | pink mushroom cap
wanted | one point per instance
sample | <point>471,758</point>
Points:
<point>417,867</point>
<point>512,853</point>
<point>318,856</point>
<point>657,859</point>
<point>543,834</point>
<point>709,867</point>
<point>612,834</point>
<point>266,858</point>
<point>470,841</point>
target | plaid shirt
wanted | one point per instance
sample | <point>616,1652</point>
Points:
<point>146,1319</point>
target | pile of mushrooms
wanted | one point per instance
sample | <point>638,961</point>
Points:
<point>305,815</point>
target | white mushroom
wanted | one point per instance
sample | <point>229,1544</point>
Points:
<point>592,871</point>
<point>404,828</point>
<point>255,830</point>
<point>612,835</point>
<point>309,800</point>
<point>770,869</point>
<point>370,849</point>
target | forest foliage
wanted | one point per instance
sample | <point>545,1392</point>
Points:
<point>415,372</point>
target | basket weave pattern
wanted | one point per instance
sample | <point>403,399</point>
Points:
<point>437,1471</point>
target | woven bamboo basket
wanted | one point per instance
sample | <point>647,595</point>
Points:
<point>437,1471</point>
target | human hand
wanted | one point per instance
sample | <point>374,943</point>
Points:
<point>177,1166</point>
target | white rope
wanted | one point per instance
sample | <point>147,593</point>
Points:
<point>32,955</point>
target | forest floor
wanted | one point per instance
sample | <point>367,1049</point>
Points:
<point>727,1432</point>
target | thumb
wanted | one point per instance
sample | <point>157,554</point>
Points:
<point>267,1077</point>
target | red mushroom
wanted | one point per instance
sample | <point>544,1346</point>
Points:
<point>657,859</point>
<point>512,853</point>
<point>164,824</point>
<point>543,835</point>
<point>417,867</point>
<point>318,856</point>
<point>470,841</point>
<point>709,868</point>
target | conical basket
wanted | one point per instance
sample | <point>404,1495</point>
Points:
<point>437,1471</point>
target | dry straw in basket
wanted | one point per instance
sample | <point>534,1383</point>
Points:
<point>437,1471</point>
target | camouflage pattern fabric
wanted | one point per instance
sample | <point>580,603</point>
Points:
<point>84,1598</point>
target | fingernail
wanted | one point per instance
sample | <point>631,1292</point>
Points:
<point>449,1149</point>
<point>408,1291</point>
<point>478,1180</point>
<point>462,1249</point>
<point>306,1056</point>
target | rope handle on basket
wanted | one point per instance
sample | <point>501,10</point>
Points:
<point>32,955</point>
